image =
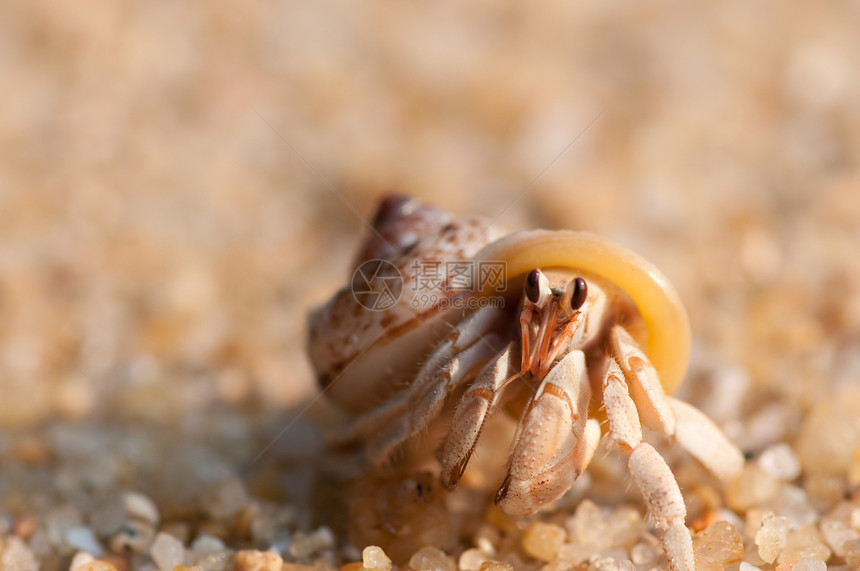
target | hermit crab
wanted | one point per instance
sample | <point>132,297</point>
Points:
<point>574,334</point>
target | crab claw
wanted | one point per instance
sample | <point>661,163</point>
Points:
<point>554,444</point>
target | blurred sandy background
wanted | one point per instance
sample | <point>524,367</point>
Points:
<point>179,183</point>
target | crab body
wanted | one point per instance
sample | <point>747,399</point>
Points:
<point>581,331</point>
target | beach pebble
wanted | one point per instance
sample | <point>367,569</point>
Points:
<point>373,557</point>
<point>771,537</point>
<point>167,552</point>
<point>16,555</point>
<point>430,558</point>
<point>780,462</point>
<point>253,560</point>
<point>717,547</point>
<point>543,540</point>
<point>83,539</point>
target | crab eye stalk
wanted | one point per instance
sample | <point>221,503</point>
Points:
<point>532,286</point>
<point>535,287</point>
<point>579,293</point>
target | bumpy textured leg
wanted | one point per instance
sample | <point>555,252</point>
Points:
<point>464,334</point>
<point>475,406</point>
<point>648,469</point>
<point>694,431</point>
<point>432,386</point>
<point>554,443</point>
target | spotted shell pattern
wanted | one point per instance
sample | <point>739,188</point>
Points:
<point>404,230</point>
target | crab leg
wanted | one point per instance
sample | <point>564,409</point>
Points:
<point>555,443</point>
<point>446,368</point>
<point>371,422</point>
<point>694,431</point>
<point>645,387</point>
<point>467,333</point>
<point>649,470</point>
<point>426,404</point>
<point>699,436</point>
<point>476,404</point>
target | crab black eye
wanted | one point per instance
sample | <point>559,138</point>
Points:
<point>580,291</point>
<point>532,286</point>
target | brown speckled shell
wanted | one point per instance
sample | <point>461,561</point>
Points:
<point>404,231</point>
